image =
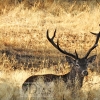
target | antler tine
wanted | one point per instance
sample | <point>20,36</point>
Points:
<point>51,39</point>
<point>98,36</point>
<point>76,54</point>
<point>93,33</point>
<point>95,45</point>
<point>57,45</point>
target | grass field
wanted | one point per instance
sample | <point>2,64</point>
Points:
<point>25,51</point>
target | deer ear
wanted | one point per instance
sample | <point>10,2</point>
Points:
<point>70,60</point>
<point>91,59</point>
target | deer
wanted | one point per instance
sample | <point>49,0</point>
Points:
<point>78,65</point>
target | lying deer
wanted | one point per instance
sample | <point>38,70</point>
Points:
<point>78,66</point>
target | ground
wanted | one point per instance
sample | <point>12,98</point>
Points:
<point>25,50</point>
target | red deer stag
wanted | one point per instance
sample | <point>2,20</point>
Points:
<point>78,66</point>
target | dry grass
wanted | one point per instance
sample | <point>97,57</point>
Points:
<point>23,32</point>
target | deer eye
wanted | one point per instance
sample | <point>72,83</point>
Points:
<point>77,66</point>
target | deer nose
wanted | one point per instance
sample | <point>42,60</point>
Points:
<point>84,73</point>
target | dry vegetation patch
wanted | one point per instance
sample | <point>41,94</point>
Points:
<point>23,43</point>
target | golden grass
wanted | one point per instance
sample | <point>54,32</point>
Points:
<point>23,31</point>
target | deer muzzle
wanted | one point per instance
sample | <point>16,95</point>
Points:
<point>84,73</point>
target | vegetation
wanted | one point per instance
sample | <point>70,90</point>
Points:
<point>25,51</point>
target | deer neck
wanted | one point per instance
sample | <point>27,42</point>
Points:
<point>73,76</point>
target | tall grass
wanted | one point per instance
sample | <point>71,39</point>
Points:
<point>23,27</point>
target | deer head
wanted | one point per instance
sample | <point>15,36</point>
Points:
<point>79,65</point>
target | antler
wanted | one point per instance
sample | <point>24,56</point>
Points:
<point>57,46</point>
<point>95,44</point>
